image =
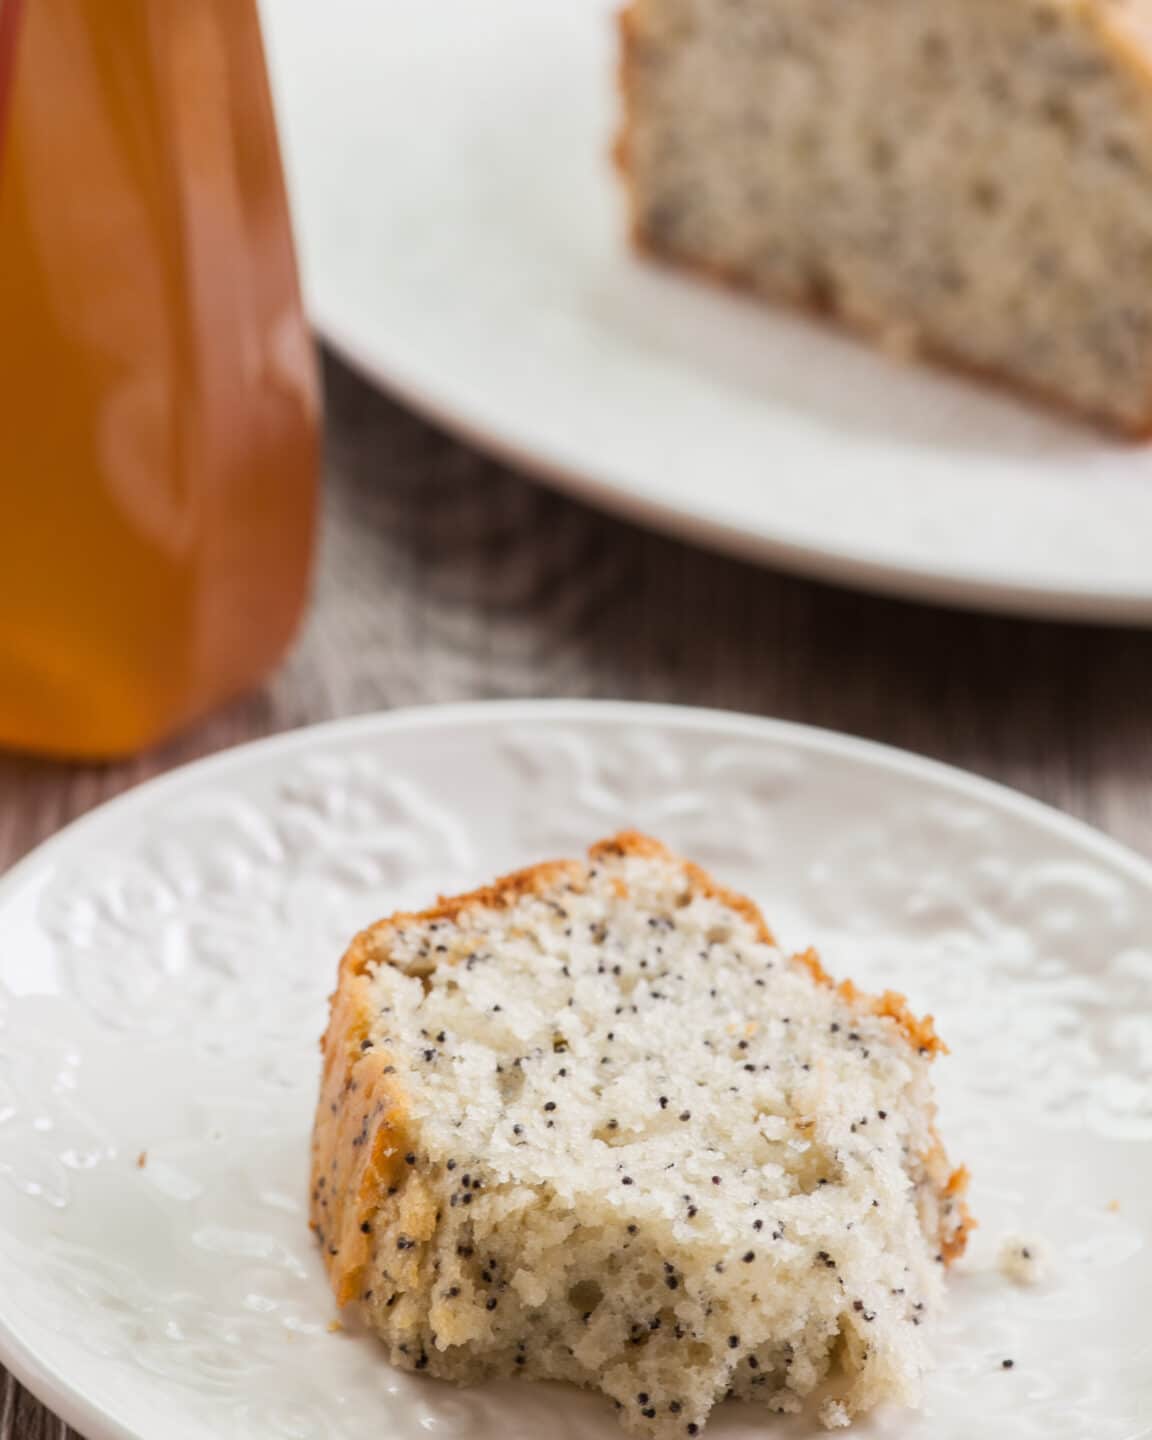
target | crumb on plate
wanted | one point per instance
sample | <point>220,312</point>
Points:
<point>1025,1262</point>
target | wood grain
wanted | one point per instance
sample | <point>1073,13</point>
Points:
<point>443,576</point>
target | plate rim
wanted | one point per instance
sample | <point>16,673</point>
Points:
<point>830,565</point>
<point>798,732</point>
<point>88,1416</point>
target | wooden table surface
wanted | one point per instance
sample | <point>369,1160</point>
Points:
<point>443,576</point>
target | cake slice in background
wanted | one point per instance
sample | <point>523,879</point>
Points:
<point>967,179</point>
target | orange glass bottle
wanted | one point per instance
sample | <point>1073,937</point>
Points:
<point>158,448</point>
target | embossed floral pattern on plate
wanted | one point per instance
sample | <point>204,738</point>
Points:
<point>164,966</point>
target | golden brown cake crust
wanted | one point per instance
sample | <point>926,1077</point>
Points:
<point>360,1137</point>
<point>1125,37</point>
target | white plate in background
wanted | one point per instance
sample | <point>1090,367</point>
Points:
<point>462,241</point>
<point>164,966</point>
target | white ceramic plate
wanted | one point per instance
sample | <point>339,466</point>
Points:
<point>462,240</point>
<point>164,965</point>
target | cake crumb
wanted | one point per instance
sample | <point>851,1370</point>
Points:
<point>834,1415</point>
<point>1024,1262</point>
<point>335,1326</point>
<point>142,1159</point>
<point>1114,1206</point>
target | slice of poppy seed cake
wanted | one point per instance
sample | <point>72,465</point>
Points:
<point>966,179</point>
<point>590,1124</point>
